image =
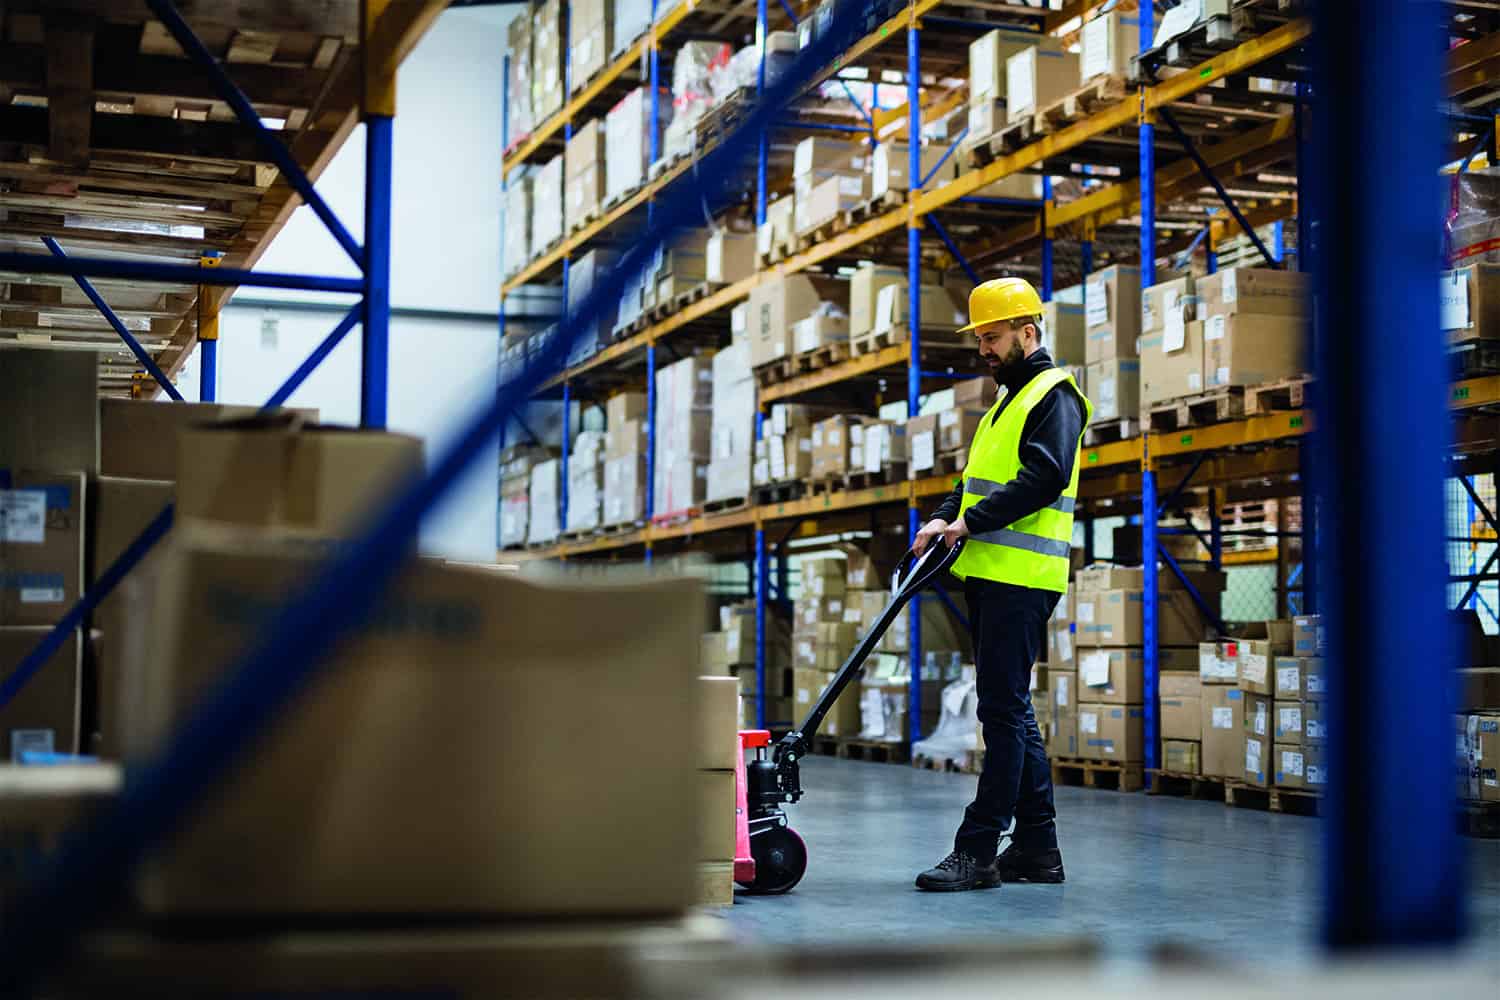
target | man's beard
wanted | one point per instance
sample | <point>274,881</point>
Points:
<point>1009,360</point>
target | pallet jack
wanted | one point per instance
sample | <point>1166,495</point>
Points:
<point>780,855</point>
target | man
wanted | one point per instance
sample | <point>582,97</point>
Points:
<point>1014,507</point>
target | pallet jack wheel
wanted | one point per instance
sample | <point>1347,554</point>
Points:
<point>780,861</point>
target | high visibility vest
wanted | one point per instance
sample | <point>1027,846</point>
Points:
<point>1032,552</point>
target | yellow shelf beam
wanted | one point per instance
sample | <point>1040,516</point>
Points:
<point>886,357</point>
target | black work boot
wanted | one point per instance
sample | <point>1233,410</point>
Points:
<point>1018,865</point>
<point>957,872</point>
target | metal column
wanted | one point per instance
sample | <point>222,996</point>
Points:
<point>762,573</point>
<point>650,433</point>
<point>1392,862</point>
<point>1148,474</point>
<point>379,106</point>
<point>208,336</point>
<point>763,150</point>
<point>914,357</point>
<point>1046,240</point>
<point>567,451</point>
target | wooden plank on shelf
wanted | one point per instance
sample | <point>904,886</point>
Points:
<point>811,506</point>
<point>1251,430</point>
<point>798,385</point>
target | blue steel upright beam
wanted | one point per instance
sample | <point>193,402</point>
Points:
<point>1392,861</point>
<point>1046,240</point>
<point>375,359</point>
<point>763,146</point>
<point>141,354</point>
<point>914,327</point>
<point>1147,136</point>
<point>208,335</point>
<point>567,452</point>
<point>762,572</point>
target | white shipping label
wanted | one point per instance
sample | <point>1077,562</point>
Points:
<point>1317,729</point>
<point>803,696</point>
<point>1062,692</point>
<point>1088,722</point>
<point>1317,775</point>
<point>805,651</point>
<point>41,595</point>
<point>1096,39</point>
<point>1288,720</point>
<point>1093,669</point>
<point>1231,286</point>
<point>885,306</point>
<point>1291,763</point>
<point>732,642</point>
<point>922,450</point>
<point>1086,611</point>
<point>1288,680</point>
<point>1222,718</point>
<point>1106,394</point>
<point>1213,667</point>
<point>1214,328</point>
<point>948,418</point>
<point>1175,339</point>
<point>877,448</point>
<point>585,50</point>
<point>1453,299</point>
<point>1065,645</point>
<point>835,607</point>
<point>1195,381</point>
<point>23,741</point>
<point>853,616</point>
<point>1253,668</point>
<point>1148,315</point>
<point>1261,721</point>
<point>1315,684</point>
<point>1252,755</point>
<point>23,516</point>
<point>1096,306</point>
<point>1221,375</point>
<point>1020,81</point>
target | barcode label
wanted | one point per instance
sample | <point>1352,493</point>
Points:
<point>23,516</point>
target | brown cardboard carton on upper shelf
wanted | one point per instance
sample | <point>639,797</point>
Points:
<point>1114,387</point>
<point>778,303</point>
<point>1063,332</point>
<point>44,715</point>
<point>275,472</point>
<point>409,824</point>
<point>49,403</point>
<point>1252,290</point>
<point>1171,362</point>
<point>1112,576</point>
<point>1112,314</point>
<point>42,518</point>
<point>1181,699</point>
<point>1114,618</point>
<point>1112,676</point>
<point>921,445</point>
<point>1248,349</point>
<point>978,393</point>
<point>1182,756</point>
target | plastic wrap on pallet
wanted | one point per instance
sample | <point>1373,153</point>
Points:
<point>547,206</point>
<point>1473,219</point>
<point>515,509</point>
<point>589,36</point>
<point>519,119</point>
<point>627,129</point>
<point>585,481</point>
<point>517,224</point>
<point>956,735</point>
<point>729,468</point>
<point>543,526</point>
<point>632,18</point>
<point>684,423</point>
<point>584,273</point>
<point>546,59</point>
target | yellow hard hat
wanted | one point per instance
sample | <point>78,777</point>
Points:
<point>1002,298</point>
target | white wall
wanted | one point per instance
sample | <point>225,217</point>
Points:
<point>445,258</point>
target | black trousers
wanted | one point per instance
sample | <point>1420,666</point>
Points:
<point>1009,625</point>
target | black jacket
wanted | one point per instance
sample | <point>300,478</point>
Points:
<point>1049,444</point>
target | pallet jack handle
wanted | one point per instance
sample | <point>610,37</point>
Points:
<point>919,571</point>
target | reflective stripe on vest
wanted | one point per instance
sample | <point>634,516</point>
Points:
<point>1034,551</point>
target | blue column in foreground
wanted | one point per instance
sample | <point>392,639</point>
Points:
<point>914,357</point>
<point>762,568</point>
<point>375,328</point>
<point>1392,860</point>
<point>1148,476</point>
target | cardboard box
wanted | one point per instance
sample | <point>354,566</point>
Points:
<point>1173,302</point>
<point>1063,692</point>
<point>44,715</point>
<point>1106,45</point>
<point>1180,697</point>
<point>921,445</point>
<point>1102,576</point>
<point>1299,678</point>
<point>1470,303</point>
<point>1307,636</point>
<point>1063,332</point>
<point>729,257</point>
<point>272,472</point>
<point>718,723</point>
<point>1112,314</point>
<point>1478,688</point>
<point>864,290</point>
<point>940,308</point>
<point>49,405</point>
<point>625,406</point>
<point>1182,756</point>
<point>547,204</point>
<point>1112,676</point>
<point>826,201</point>
<point>1114,387</point>
<point>42,518</point>
<point>1112,732</point>
<point>1260,716</point>
<point>1223,731</point>
<point>986,117</point>
<point>819,330</point>
<point>956,429</point>
<point>1061,733</point>
<point>1254,671</point>
<point>1037,76</point>
<point>316,818</point>
<point>716,815</point>
<point>626,130</point>
<point>1171,363</point>
<point>891,167</point>
<point>583,170</point>
<point>1288,722</point>
<point>121,510</point>
<point>1253,290</point>
<point>1249,349</point>
<point>774,306</point>
<point>987,61</point>
<point>1300,767</point>
<point>1260,764</point>
<point>138,438</point>
<point>977,393</point>
<point>1113,618</point>
<point>1479,750</point>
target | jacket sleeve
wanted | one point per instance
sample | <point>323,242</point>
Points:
<point>948,509</point>
<point>1049,445</point>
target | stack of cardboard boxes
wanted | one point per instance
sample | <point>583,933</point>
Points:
<point>584,163</point>
<point>516,463</point>
<point>586,482</point>
<point>624,459</point>
<point>684,431</point>
<point>1112,317</point>
<point>627,130</point>
<point>1301,725</point>
<point>784,454</point>
<point>988,80</point>
<point>1171,362</point>
<point>543,524</point>
<point>519,117</point>
<point>589,37</point>
<point>1260,696</point>
<point>517,246</point>
<point>547,206</point>
<point>829,176</point>
<point>1108,640</point>
<point>733,424</point>
<point>777,305</point>
<point>946,434</point>
<point>546,59</point>
<point>718,805</point>
<point>1037,76</point>
<point>1055,699</point>
<point>587,271</point>
<point>821,638</point>
<point>730,651</point>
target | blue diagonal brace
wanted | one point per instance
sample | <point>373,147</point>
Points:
<point>140,352</point>
<point>937,227</point>
<point>1224,196</point>
<point>293,383</point>
<point>274,147</point>
<point>1489,518</point>
<point>789,12</point>
<point>1171,498</point>
<point>942,159</point>
<point>1187,584</point>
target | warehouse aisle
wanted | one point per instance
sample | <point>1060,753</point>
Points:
<point>1141,869</point>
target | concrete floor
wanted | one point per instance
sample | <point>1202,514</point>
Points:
<point>1141,870</point>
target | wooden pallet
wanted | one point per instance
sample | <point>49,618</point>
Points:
<point>780,493</point>
<point>1270,397</point>
<point>1214,407</point>
<point>932,338</point>
<point>825,486</point>
<point>774,372</point>
<point>946,764</point>
<point>534,546</point>
<point>680,301</point>
<point>825,746</point>
<point>1007,139</point>
<point>667,162</point>
<point>622,528</point>
<point>1192,786</point>
<point>892,473</point>
<point>1197,44</point>
<point>820,357</point>
<point>676,517</point>
<point>715,883</point>
<point>579,535</point>
<point>587,218</point>
<point>1478,357</point>
<point>1479,819</point>
<point>1098,774</point>
<point>725,506</point>
<point>871,208</point>
<point>779,251</point>
<point>1104,432</point>
<point>875,751</point>
<point>1297,801</point>
<point>723,117</point>
<point>1096,95</point>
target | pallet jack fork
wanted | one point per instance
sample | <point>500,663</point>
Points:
<point>779,857</point>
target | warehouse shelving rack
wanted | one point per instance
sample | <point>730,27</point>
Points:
<point>1259,456</point>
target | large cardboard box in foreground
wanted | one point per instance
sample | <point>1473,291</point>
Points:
<point>42,517</point>
<point>379,792</point>
<point>44,715</point>
<point>138,438</point>
<point>49,406</point>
